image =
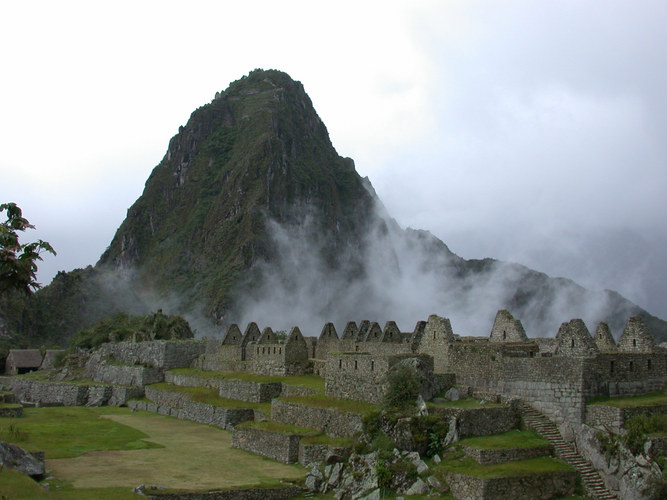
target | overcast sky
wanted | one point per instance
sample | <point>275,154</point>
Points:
<point>528,131</point>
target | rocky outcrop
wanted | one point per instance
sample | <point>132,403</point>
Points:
<point>14,457</point>
<point>630,477</point>
<point>363,476</point>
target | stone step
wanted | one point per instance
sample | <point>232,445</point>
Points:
<point>547,429</point>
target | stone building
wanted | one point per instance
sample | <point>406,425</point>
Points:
<point>20,361</point>
<point>557,375</point>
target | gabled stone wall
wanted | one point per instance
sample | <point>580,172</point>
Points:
<point>507,329</point>
<point>636,337</point>
<point>359,376</point>
<point>575,340</point>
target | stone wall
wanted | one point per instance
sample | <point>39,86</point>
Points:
<point>64,394</point>
<point>295,390</point>
<point>11,411</point>
<point>358,376</point>
<point>499,456</point>
<point>626,374</point>
<point>333,422</point>
<point>191,381</point>
<point>482,421</point>
<point>281,447</point>
<point>203,413</point>
<point>244,494</point>
<point>214,363</point>
<point>546,485</point>
<point>310,454</point>
<point>613,419</point>
<point>507,329</point>
<point>124,375</point>
<point>558,386</point>
<point>173,399</point>
<point>252,392</point>
<point>165,354</point>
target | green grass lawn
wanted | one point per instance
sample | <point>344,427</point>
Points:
<point>510,439</point>
<point>107,451</point>
<point>10,405</point>
<point>652,399</point>
<point>15,485</point>
<point>65,432</point>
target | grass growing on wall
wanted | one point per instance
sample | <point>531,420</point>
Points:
<point>465,403</point>
<point>280,428</point>
<point>322,401</point>
<point>210,396</point>
<point>510,439</point>
<point>515,468</point>
<point>310,381</point>
<point>651,399</point>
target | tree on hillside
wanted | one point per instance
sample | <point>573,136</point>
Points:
<point>18,262</point>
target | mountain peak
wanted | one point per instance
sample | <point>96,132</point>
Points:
<point>258,151</point>
<point>253,216</point>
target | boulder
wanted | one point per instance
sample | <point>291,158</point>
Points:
<point>435,483</point>
<point>14,457</point>
<point>419,487</point>
<point>453,394</point>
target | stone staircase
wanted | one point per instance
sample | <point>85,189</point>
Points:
<point>546,428</point>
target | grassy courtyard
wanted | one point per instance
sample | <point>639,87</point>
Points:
<point>105,452</point>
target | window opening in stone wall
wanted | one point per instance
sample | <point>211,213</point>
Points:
<point>373,364</point>
<point>634,342</point>
<point>572,343</point>
<point>611,367</point>
<point>258,350</point>
<point>356,348</point>
<point>433,335</point>
<point>280,350</point>
<point>632,365</point>
<point>504,335</point>
<point>648,364</point>
<point>355,364</point>
<point>340,363</point>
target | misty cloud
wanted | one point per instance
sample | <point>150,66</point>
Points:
<point>407,275</point>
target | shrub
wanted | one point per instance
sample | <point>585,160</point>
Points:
<point>428,433</point>
<point>384,445</point>
<point>13,433</point>
<point>371,423</point>
<point>608,443</point>
<point>383,474</point>
<point>122,327</point>
<point>637,428</point>
<point>402,388</point>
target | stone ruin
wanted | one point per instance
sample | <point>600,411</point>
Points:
<point>557,376</point>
